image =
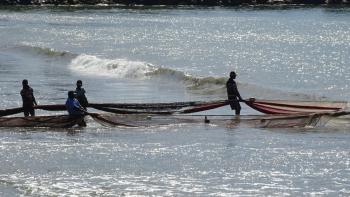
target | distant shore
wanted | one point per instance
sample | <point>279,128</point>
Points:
<point>173,2</point>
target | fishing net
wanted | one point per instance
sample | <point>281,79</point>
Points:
<point>262,121</point>
<point>314,120</point>
<point>141,120</point>
<point>145,120</point>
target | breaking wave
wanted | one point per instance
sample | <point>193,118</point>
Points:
<point>118,68</point>
<point>123,68</point>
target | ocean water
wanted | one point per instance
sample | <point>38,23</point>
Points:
<point>166,54</point>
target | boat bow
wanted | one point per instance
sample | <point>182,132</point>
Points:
<point>295,107</point>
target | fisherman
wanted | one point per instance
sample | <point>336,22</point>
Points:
<point>75,110</point>
<point>232,93</point>
<point>28,99</point>
<point>80,93</point>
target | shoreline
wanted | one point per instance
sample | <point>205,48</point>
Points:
<point>207,3</point>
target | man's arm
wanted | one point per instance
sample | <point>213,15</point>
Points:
<point>34,101</point>
<point>84,97</point>
<point>239,97</point>
<point>237,93</point>
<point>79,107</point>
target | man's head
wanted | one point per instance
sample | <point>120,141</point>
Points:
<point>79,83</point>
<point>71,94</point>
<point>233,75</point>
<point>25,82</point>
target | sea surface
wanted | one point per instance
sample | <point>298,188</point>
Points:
<point>167,54</point>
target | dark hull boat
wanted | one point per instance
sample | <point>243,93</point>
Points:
<point>59,121</point>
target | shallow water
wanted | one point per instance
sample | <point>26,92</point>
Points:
<point>174,54</point>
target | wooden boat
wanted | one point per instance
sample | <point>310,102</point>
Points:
<point>295,107</point>
<point>59,121</point>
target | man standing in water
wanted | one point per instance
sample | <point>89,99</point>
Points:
<point>28,99</point>
<point>232,93</point>
<point>80,93</point>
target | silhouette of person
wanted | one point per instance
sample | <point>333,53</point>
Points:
<point>28,99</point>
<point>80,95</point>
<point>233,94</point>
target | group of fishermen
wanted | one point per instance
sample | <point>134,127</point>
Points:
<point>77,102</point>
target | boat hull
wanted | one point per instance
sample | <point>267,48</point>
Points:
<point>59,121</point>
<point>295,107</point>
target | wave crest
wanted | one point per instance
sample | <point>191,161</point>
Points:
<point>122,68</point>
<point>119,68</point>
<point>49,52</point>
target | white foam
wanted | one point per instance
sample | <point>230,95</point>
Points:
<point>117,68</point>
